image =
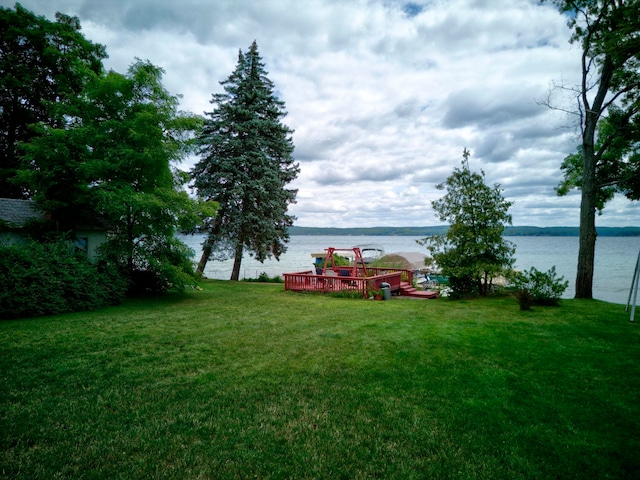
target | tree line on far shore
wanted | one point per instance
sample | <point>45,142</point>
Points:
<point>523,231</point>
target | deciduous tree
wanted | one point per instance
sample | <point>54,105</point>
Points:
<point>608,106</point>
<point>246,164</point>
<point>116,157</point>
<point>472,251</point>
<point>617,166</point>
<point>42,64</point>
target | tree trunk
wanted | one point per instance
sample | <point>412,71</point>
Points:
<point>586,252</point>
<point>592,114</point>
<point>207,245</point>
<point>206,253</point>
<point>130,242</point>
<point>587,249</point>
<point>235,274</point>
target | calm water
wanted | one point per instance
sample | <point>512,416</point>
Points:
<point>615,258</point>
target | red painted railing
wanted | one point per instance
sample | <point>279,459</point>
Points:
<point>347,279</point>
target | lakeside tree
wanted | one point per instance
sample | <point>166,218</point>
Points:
<point>114,158</point>
<point>473,251</point>
<point>617,165</point>
<point>246,164</point>
<point>608,102</point>
<point>43,64</point>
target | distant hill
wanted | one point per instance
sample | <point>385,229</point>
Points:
<point>428,231</point>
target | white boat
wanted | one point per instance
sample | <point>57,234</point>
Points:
<point>370,252</point>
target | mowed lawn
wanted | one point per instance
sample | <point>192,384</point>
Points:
<point>244,380</point>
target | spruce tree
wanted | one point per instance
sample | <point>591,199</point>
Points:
<point>246,163</point>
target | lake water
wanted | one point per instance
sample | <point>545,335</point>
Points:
<point>614,264</point>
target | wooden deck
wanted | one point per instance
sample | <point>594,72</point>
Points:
<point>407,290</point>
<point>352,279</point>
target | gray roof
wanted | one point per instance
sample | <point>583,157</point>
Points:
<point>17,212</point>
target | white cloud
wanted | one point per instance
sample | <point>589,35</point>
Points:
<point>383,95</point>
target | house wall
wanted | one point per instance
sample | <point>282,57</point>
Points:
<point>90,241</point>
<point>94,240</point>
<point>10,238</point>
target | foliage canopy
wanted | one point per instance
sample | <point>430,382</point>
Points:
<point>96,148</point>
<point>43,66</point>
<point>115,159</point>
<point>608,110</point>
<point>473,251</point>
<point>246,163</point>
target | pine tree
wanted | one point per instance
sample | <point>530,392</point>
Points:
<point>246,163</point>
<point>473,250</point>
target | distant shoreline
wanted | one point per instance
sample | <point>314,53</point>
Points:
<point>428,231</point>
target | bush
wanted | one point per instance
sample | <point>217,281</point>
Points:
<point>45,279</point>
<point>351,294</point>
<point>265,278</point>
<point>462,286</point>
<point>146,282</point>
<point>525,299</point>
<point>535,287</point>
<point>165,265</point>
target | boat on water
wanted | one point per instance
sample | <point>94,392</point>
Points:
<point>371,252</point>
<point>320,257</point>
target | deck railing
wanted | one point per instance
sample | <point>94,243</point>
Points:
<point>407,275</point>
<point>347,279</point>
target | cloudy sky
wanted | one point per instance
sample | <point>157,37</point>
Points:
<point>383,95</point>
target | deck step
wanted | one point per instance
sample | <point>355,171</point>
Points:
<point>407,290</point>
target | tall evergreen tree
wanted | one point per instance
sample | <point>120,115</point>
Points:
<point>246,163</point>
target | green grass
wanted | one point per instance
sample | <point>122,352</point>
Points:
<point>244,380</point>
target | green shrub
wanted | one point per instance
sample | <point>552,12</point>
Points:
<point>43,279</point>
<point>462,286</point>
<point>340,261</point>
<point>525,299</point>
<point>539,288</point>
<point>352,294</point>
<point>265,278</point>
<point>146,282</point>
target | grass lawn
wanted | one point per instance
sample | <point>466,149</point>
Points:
<point>245,380</point>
